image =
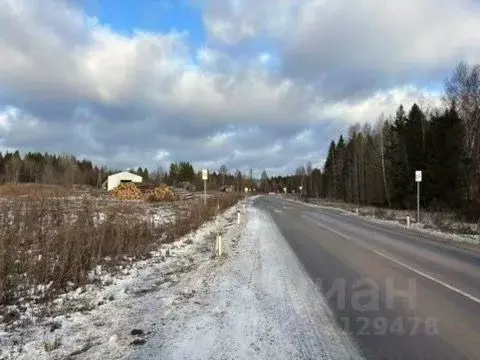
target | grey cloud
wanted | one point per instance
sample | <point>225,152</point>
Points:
<point>120,100</point>
<point>121,146</point>
<point>350,48</point>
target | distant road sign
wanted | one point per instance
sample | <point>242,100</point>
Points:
<point>204,174</point>
<point>418,176</point>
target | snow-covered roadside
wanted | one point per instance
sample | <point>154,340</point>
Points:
<point>125,310</point>
<point>467,239</point>
<point>259,305</point>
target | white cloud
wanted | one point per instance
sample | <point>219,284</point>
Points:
<point>149,69</point>
<point>72,83</point>
<point>369,109</point>
<point>232,21</point>
<point>352,48</point>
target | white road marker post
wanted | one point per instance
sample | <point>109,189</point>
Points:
<point>408,221</point>
<point>418,180</point>
<point>356,211</point>
<point>205,178</point>
<point>218,238</point>
<point>244,209</point>
<point>238,217</point>
<point>218,246</point>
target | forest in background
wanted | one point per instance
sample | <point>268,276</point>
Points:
<point>376,164</point>
<point>67,170</point>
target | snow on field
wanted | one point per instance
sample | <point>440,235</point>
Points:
<point>108,320</point>
<point>256,302</point>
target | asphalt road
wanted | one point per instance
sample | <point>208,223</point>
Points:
<point>399,293</point>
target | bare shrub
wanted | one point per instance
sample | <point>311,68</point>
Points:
<point>439,220</point>
<point>198,213</point>
<point>48,245</point>
<point>380,213</point>
<point>38,190</point>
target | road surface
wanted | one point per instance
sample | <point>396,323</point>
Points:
<point>399,293</point>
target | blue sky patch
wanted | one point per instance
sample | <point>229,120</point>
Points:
<point>160,16</point>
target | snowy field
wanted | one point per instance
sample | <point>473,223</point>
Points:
<point>108,319</point>
<point>255,302</point>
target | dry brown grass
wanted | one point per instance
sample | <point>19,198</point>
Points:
<point>36,190</point>
<point>49,245</point>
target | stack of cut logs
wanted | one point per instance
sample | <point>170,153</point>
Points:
<point>127,191</point>
<point>163,193</point>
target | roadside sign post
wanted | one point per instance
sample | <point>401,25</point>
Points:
<point>205,178</point>
<point>418,180</point>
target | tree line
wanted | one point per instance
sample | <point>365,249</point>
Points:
<point>184,172</point>
<point>376,164</point>
<point>373,164</point>
<point>44,168</point>
<point>35,167</point>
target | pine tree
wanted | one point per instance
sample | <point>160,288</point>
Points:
<point>339,164</point>
<point>398,169</point>
<point>329,172</point>
<point>443,175</point>
<point>415,138</point>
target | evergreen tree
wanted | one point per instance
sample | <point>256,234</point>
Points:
<point>329,172</point>
<point>398,170</point>
<point>415,130</point>
<point>443,174</point>
<point>264,182</point>
<point>340,154</point>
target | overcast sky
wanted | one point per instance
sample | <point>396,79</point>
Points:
<point>264,84</point>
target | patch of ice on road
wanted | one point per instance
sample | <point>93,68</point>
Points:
<point>259,305</point>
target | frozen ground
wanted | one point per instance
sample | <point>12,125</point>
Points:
<point>97,321</point>
<point>256,302</point>
<point>258,305</point>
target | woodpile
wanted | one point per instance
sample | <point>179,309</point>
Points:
<point>150,192</point>
<point>127,191</point>
<point>184,194</point>
<point>162,193</point>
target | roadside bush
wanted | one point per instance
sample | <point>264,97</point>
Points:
<point>380,213</point>
<point>48,246</point>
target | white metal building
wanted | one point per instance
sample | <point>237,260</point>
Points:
<point>123,177</point>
